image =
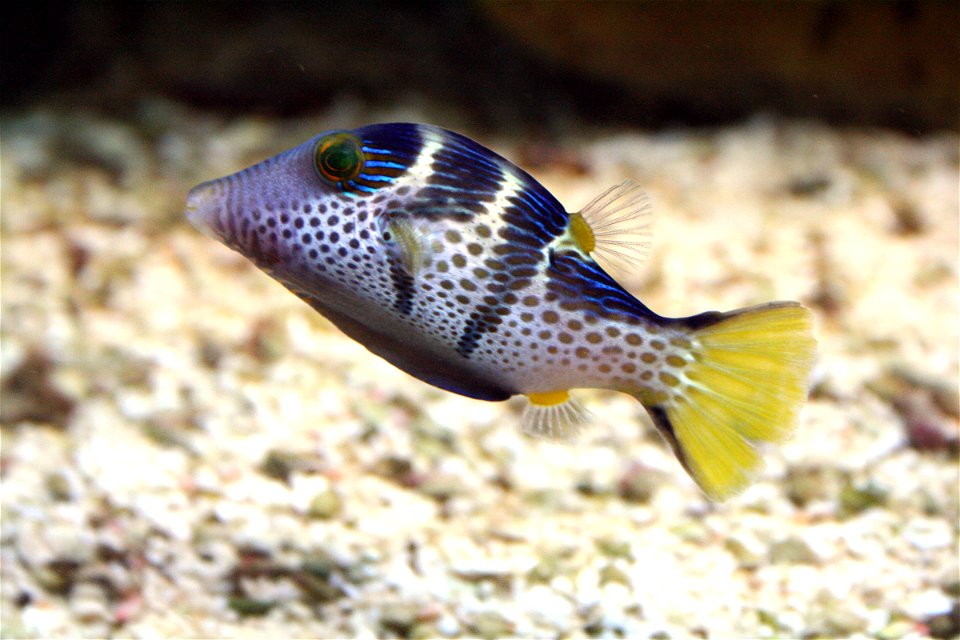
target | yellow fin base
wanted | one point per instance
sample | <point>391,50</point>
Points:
<point>548,398</point>
<point>746,385</point>
<point>579,229</point>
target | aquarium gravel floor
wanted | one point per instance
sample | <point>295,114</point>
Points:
<point>190,451</point>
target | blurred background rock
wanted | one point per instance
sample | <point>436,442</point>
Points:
<point>648,64</point>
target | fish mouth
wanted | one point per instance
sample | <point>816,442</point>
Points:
<point>205,208</point>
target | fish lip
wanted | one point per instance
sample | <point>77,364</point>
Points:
<point>202,208</point>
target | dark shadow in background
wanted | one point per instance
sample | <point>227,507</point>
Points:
<point>543,65</point>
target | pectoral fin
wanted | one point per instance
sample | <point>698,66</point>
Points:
<point>408,245</point>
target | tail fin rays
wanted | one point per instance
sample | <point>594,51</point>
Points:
<point>745,385</point>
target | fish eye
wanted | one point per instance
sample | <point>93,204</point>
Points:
<point>338,157</point>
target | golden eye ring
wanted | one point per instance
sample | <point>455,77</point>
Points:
<point>338,157</point>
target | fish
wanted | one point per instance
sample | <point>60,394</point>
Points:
<point>456,266</point>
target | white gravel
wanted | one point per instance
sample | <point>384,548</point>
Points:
<point>188,450</point>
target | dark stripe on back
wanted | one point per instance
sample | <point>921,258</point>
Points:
<point>581,285</point>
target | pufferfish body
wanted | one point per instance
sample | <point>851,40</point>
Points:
<point>456,266</point>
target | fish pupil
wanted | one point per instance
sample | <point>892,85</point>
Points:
<point>339,157</point>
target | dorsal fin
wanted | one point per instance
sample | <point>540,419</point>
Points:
<point>616,227</point>
<point>553,415</point>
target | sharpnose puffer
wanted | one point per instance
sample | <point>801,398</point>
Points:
<point>456,266</point>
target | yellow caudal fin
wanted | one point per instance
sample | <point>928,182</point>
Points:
<point>744,382</point>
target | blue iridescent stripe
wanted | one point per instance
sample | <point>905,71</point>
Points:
<point>446,167</point>
<point>458,145</point>
<point>358,187</point>
<point>382,163</point>
<point>376,178</point>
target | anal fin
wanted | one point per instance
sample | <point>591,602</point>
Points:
<point>553,415</point>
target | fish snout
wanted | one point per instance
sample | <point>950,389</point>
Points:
<point>205,208</point>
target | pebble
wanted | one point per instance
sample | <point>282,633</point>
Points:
<point>841,622</point>
<point>325,505</point>
<point>490,625</point>
<point>399,619</point>
<point>89,602</point>
<point>42,544</point>
<point>927,534</point>
<point>547,606</point>
<point>926,603</point>
<point>747,548</point>
<point>897,629</point>
<point>448,626</point>
<point>794,549</point>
